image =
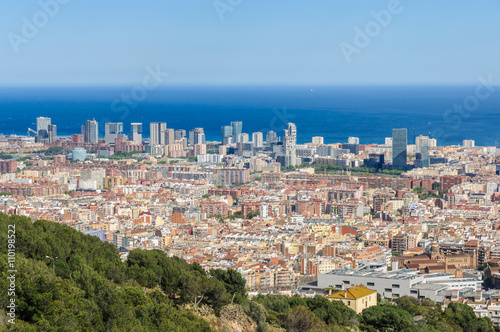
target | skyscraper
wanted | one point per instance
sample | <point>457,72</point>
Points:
<point>243,138</point>
<point>42,123</point>
<point>425,153</point>
<point>52,133</point>
<point>226,131</point>
<point>290,136</point>
<point>418,143</point>
<point>289,145</point>
<point>271,137</point>
<point>45,131</point>
<point>157,133</point>
<point>228,140</point>
<point>353,140</point>
<point>432,143</point>
<point>468,143</point>
<point>199,137</point>
<point>318,140</point>
<point>257,139</point>
<point>91,131</point>
<point>237,129</point>
<point>179,133</point>
<point>196,136</point>
<point>169,136</point>
<point>399,145</point>
<point>112,130</point>
<point>191,137</point>
<point>136,132</point>
<point>352,147</point>
<point>422,146</point>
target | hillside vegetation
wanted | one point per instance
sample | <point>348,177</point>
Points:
<point>90,289</point>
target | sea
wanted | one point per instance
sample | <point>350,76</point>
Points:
<point>448,113</point>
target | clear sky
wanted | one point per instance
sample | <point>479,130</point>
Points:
<point>111,42</point>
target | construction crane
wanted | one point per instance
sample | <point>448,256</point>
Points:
<point>30,130</point>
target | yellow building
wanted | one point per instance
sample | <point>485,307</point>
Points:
<point>323,230</point>
<point>357,298</point>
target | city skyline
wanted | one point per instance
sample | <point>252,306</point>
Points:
<point>162,134</point>
<point>284,150</point>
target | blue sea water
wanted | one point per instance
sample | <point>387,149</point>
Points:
<point>334,112</point>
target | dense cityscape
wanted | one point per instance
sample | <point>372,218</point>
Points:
<point>343,220</point>
<point>250,166</point>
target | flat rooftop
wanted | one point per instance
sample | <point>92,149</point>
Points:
<point>404,274</point>
<point>432,287</point>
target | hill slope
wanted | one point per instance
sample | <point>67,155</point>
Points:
<point>88,288</point>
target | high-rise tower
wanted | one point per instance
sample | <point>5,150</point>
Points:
<point>399,148</point>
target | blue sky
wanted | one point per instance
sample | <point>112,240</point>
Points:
<point>90,42</point>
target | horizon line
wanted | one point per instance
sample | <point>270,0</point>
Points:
<point>237,85</point>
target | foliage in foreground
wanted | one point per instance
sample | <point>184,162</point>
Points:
<point>93,290</point>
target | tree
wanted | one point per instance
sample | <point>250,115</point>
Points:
<point>252,214</point>
<point>233,282</point>
<point>489,279</point>
<point>331,290</point>
<point>387,318</point>
<point>418,190</point>
<point>92,289</point>
<point>219,217</point>
<point>258,313</point>
<point>236,216</point>
<point>5,156</point>
<point>301,319</point>
<point>463,315</point>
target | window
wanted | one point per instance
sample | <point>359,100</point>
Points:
<point>348,302</point>
<point>371,284</point>
<point>395,286</point>
<point>395,295</point>
<point>388,290</point>
<point>413,292</point>
<point>346,282</point>
<point>338,286</point>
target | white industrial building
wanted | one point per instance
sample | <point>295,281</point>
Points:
<point>397,283</point>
